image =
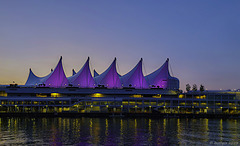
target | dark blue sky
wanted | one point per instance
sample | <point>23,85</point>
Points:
<point>201,38</point>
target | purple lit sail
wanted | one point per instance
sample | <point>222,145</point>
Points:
<point>83,78</point>
<point>135,78</point>
<point>109,78</point>
<point>161,78</point>
<point>57,78</point>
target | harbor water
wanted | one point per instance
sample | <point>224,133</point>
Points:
<point>118,131</point>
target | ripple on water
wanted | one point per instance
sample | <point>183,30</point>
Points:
<point>116,131</point>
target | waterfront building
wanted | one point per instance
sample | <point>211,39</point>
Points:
<point>95,100</point>
<point>110,78</point>
<point>109,92</point>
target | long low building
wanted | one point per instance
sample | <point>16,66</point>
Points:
<point>110,92</point>
<point>129,100</point>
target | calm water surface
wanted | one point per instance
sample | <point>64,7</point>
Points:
<point>118,131</point>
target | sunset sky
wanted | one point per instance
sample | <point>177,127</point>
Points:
<point>201,38</point>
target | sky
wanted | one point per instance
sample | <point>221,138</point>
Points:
<point>201,38</point>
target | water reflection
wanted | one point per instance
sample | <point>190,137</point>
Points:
<point>117,131</point>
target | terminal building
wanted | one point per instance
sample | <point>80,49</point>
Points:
<point>109,92</point>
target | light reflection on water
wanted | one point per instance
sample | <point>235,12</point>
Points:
<point>117,131</point>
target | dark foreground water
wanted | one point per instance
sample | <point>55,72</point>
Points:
<point>118,131</point>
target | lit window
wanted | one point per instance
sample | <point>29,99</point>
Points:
<point>181,96</point>
<point>137,95</point>
<point>97,95</point>
<point>157,96</point>
<point>3,93</point>
<point>56,95</point>
<point>41,95</point>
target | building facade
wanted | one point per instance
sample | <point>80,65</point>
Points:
<point>129,100</point>
<point>109,92</point>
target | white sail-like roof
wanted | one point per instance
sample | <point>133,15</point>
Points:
<point>135,78</point>
<point>83,78</point>
<point>56,78</point>
<point>32,79</point>
<point>109,78</point>
<point>161,78</point>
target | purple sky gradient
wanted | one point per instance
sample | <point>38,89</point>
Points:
<point>201,38</point>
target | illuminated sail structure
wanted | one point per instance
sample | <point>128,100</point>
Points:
<point>32,79</point>
<point>56,78</point>
<point>83,78</point>
<point>135,78</point>
<point>161,78</point>
<point>97,74</point>
<point>109,78</point>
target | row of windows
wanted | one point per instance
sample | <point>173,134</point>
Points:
<point>90,95</point>
<point>190,96</point>
<point>161,103</point>
<point>28,102</point>
<point>209,97</point>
